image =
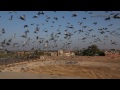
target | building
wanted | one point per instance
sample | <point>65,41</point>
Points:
<point>65,53</point>
<point>53,53</point>
<point>112,52</point>
<point>60,52</point>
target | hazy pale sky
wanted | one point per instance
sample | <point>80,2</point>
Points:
<point>84,29</point>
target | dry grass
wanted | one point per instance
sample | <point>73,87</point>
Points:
<point>96,67</point>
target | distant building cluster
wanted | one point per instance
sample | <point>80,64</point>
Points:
<point>38,54</point>
<point>66,53</point>
<point>112,52</point>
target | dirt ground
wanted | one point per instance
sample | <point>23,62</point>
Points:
<point>82,67</point>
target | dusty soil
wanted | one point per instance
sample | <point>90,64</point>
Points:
<point>64,68</point>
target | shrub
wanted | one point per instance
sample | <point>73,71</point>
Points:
<point>101,53</point>
<point>93,50</point>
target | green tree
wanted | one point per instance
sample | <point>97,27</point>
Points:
<point>93,50</point>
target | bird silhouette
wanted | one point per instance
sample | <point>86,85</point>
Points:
<point>116,16</point>
<point>25,26</point>
<point>11,17</point>
<point>36,16</point>
<point>84,18</point>
<point>3,31</point>
<point>55,18</point>
<point>108,18</point>
<point>95,23</point>
<point>74,15</point>
<point>22,17</point>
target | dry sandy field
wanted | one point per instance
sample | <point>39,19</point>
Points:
<point>77,67</point>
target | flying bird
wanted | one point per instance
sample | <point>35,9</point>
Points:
<point>11,17</point>
<point>3,31</point>
<point>36,16</point>
<point>22,17</point>
<point>25,26</point>
<point>108,18</point>
<point>74,15</point>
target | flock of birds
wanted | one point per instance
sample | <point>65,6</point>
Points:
<point>52,39</point>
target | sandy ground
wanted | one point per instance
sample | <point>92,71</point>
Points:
<point>64,68</point>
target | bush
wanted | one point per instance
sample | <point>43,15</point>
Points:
<point>101,53</point>
<point>93,50</point>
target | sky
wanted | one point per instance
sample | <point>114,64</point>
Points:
<point>78,40</point>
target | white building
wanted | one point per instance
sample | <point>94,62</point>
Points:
<point>65,53</point>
